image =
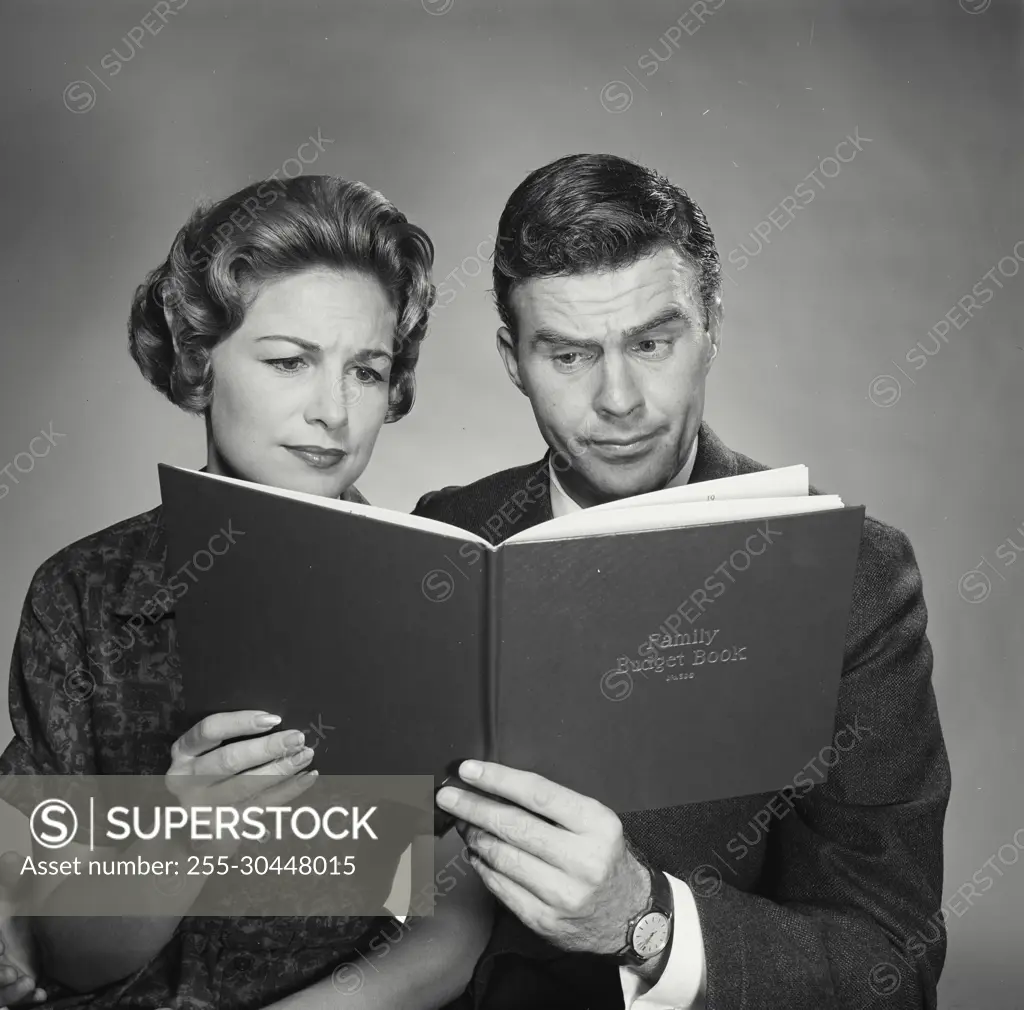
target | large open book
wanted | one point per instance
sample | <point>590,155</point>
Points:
<point>675,647</point>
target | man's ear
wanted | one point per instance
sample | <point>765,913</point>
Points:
<point>507,350</point>
<point>714,334</point>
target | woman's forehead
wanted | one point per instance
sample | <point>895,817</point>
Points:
<point>322,306</point>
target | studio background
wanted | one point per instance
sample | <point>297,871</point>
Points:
<point>445,106</point>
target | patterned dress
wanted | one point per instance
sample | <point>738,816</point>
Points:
<point>73,714</point>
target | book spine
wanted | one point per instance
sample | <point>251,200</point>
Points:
<point>492,652</point>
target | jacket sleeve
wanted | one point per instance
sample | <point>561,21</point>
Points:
<point>848,914</point>
<point>50,686</point>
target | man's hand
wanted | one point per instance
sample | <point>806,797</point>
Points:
<point>17,950</point>
<point>560,865</point>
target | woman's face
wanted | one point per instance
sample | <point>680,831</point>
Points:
<point>300,389</point>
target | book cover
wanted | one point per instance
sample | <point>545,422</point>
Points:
<point>639,661</point>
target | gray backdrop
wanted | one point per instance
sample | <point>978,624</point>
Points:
<point>835,353</point>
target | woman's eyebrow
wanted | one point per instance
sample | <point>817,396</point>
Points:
<point>373,354</point>
<point>306,344</point>
<point>368,354</point>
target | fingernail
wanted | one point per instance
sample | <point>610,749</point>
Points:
<point>471,770</point>
<point>311,774</point>
<point>267,720</point>
<point>294,739</point>
<point>447,797</point>
<point>303,756</point>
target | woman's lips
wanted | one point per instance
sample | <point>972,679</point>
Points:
<point>318,457</point>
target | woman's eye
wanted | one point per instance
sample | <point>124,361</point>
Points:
<point>368,375</point>
<point>286,364</point>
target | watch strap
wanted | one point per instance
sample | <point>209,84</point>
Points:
<point>660,901</point>
<point>661,893</point>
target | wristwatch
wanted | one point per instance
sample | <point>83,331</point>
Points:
<point>649,932</point>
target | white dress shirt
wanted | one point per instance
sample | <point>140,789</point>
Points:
<point>683,980</point>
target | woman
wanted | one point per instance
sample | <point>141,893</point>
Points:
<point>289,316</point>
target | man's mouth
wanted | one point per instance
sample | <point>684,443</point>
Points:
<point>619,447</point>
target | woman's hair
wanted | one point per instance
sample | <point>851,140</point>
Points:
<point>200,293</point>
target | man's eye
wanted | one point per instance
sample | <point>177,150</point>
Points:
<point>568,360</point>
<point>286,364</point>
<point>653,347</point>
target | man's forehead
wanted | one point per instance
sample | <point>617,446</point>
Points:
<point>623,296</point>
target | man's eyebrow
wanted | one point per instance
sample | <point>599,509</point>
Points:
<point>546,335</point>
<point>671,315</point>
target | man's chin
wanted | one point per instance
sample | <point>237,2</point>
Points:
<point>624,481</point>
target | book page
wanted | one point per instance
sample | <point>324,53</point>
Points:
<point>591,522</point>
<point>383,515</point>
<point>783,482</point>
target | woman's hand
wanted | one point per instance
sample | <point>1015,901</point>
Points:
<point>18,963</point>
<point>268,767</point>
<point>17,979</point>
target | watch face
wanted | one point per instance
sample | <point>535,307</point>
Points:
<point>650,936</point>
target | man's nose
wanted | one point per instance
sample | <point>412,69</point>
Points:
<point>619,393</point>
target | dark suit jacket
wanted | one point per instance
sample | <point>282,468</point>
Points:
<point>830,901</point>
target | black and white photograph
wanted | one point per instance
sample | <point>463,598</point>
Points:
<point>512,504</point>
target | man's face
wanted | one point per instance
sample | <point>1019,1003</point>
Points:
<point>614,364</point>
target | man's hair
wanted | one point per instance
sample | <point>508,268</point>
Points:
<point>591,212</point>
<point>200,293</point>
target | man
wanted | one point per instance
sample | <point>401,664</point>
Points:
<point>607,282</point>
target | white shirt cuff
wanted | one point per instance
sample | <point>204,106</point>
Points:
<point>683,980</point>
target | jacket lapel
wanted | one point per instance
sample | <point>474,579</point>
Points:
<point>714,458</point>
<point>539,510</point>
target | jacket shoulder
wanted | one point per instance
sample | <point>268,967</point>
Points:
<point>100,562</point>
<point>450,501</point>
<point>886,560</point>
<point>888,594</point>
<point>887,586</point>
